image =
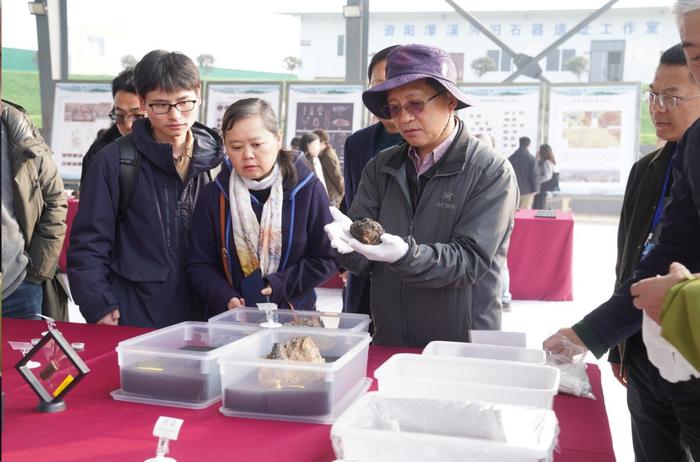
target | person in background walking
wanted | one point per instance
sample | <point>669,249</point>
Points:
<point>331,169</point>
<point>547,176</point>
<point>524,165</point>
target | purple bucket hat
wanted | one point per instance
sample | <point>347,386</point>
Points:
<point>408,63</point>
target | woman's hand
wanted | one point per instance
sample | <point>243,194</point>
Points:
<point>236,302</point>
<point>267,291</point>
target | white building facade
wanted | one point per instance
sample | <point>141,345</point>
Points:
<point>623,44</point>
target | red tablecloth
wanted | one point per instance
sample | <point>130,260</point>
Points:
<point>95,427</point>
<point>72,210</point>
<point>540,256</point>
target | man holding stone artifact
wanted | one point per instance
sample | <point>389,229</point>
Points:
<point>445,200</point>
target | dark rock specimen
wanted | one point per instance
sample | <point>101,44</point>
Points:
<point>367,231</point>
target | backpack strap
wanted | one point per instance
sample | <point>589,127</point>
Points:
<point>224,252</point>
<point>129,166</point>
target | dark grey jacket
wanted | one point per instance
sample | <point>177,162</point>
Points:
<point>525,170</point>
<point>461,222</point>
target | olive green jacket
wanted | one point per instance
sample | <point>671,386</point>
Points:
<point>38,195</point>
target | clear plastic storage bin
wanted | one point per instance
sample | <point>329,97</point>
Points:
<point>176,365</point>
<point>254,386</point>
<point>385,428</point>
<point>345,321</point>
<point>469,378</point>
<point>484,351</point>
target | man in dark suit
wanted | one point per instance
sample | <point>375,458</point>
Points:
<point>524,166</point>
<point>125,110</point>
<point>360,148</point>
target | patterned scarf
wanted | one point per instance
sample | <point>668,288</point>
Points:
<point>258,245</point>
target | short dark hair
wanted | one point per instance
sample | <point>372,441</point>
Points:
<point>379,57</point>
<point>168,71</point>
<point>256,107</point>
<point>674,56</point>
<point>124,81</point>
<point>524,141</point>
<point>296,141</point>
<point>306,140</point>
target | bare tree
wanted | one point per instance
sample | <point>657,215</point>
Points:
<point>128,61</point>
<point>206,62</point>
<point>291,63</point>
<point>578,65</point>
<point>482,65</point>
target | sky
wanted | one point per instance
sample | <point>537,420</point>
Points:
<point>248,34</point>
<point>240,35</point>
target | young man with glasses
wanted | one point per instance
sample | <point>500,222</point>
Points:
<point>665,416</point>
<point>128,266</point>
<point>125,110</point>
<point>445,200</point>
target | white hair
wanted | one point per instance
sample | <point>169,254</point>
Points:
<point>683,7</point>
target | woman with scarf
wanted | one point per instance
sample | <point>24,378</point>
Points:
<point>257,232</point>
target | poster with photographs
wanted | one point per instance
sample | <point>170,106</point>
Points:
<point>594,133</point>
<point>334,108</point>
<point>221,95</point>
<point>80,110</point>
<point>506,112</point>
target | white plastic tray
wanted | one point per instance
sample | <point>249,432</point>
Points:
<point>385,428</point>
<point>469,378</point>
<point>355,322</point>
<point>484,351</point>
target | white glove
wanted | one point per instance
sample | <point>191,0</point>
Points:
<point>390,250</point>
<point>339,231</point>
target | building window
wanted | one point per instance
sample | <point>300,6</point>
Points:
<point>505,62</point>
<point>96,46</point>
<point>341,45</point>
<point>501,59</point>
<point>495,56</point>
<point>607,60</point>
<point>458,59</point>
<point>553,60</point>
<point>566,55</point>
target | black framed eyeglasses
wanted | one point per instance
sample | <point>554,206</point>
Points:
<point>665,102</point>
<point>120,119</point>
<point>412,107</point>
<point>164,108</point>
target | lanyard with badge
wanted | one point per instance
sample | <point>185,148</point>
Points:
<point>658,214</point>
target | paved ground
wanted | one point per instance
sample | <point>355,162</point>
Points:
<point>594,259</point>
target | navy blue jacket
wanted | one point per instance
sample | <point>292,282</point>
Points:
<point>617,318</point>
<point>307,258</point>
<point>137,264</point>
<point>360,148</point>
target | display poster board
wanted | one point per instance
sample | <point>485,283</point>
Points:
<point>221,95</point>
<point>80,110</point>
<point>335,108</point>
<point>594,134</point>
<point>506,112</point>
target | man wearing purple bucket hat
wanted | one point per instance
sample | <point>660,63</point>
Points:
<point>445,200</point>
